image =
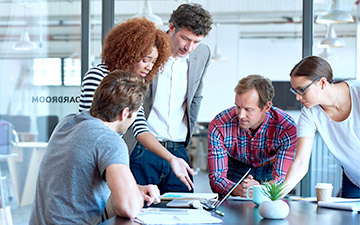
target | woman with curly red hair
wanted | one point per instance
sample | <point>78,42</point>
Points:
<point>135,46</point>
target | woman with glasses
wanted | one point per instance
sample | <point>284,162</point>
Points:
<point>333,110</point>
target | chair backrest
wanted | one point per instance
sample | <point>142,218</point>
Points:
<point>21,123</point>
<point>46,125</point>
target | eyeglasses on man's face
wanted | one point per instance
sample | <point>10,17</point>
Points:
<point>301,91</point>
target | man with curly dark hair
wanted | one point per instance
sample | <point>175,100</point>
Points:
<point>173,100</point>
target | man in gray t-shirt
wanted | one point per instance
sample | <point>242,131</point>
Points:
<point>86,159</point>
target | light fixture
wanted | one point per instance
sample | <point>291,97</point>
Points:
<point>217,56</point>
<point>330,39</point>
<point>24,43</point>
<point>335,15</point>
<point>75,54</point>
<point>146,11</point>
<point>326,54</point>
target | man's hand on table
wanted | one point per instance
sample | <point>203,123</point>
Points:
<point>240,190</point>
<point>150,193</point>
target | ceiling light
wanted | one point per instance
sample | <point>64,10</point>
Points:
<point>24,43</point>
<point>330,39</point>
<point>335,15</point>
<point>146,11</point>
<point>326,54</point>
<point>217,57</point>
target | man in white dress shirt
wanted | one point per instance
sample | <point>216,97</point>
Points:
<point>173,100</point>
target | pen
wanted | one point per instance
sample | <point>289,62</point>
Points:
<point>219,212</point>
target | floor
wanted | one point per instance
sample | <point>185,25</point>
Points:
<point>21,215</point>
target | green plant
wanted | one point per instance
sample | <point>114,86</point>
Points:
<point>272,190</point>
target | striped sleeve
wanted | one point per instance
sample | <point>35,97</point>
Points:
<point>89,84</point>
<point>140,125</point>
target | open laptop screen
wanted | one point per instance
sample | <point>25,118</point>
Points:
<point>232,189</point>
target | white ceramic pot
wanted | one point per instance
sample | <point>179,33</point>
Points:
<point>274,209</point>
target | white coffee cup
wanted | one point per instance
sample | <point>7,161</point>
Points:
<point>323,191</point>
<point>258,195</point>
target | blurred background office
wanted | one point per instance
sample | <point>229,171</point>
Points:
<point>47,45</point>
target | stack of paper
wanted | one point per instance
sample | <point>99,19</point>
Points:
<point>342,203</point>
<point>175,216</point>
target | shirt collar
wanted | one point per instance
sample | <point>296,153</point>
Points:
<point>187,57</point>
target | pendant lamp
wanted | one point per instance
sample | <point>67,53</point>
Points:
<point>24,43</point>
<point>146,11</point>
<point>335,15</point>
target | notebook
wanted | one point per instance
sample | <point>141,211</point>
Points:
<point>212,204</point>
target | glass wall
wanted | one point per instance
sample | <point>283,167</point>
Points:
<point>335,39</point>
<point>40,83</point>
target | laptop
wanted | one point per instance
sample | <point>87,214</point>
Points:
<point>212,204</point>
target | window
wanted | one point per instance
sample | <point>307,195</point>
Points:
<point>47,71</point>
<point>72,68</point>
<point>56,72</point>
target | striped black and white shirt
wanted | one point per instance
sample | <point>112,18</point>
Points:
<point>89,84</point>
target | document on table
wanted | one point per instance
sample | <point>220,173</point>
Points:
<point>186,195</point>
<point>342,203</point>
<point>175,216</point>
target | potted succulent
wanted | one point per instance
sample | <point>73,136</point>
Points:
<point>275,208</point>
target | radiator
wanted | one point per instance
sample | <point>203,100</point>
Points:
<point>323,168</point>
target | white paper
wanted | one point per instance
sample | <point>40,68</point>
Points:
<point>186,195</point>
<point>175,216</point>
<point>342,203</point>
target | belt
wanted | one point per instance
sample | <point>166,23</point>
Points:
<point>172,144</point>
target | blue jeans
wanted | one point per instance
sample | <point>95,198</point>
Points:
<point>237,169</point>
<point>148,168</point>
<point>349,190</point>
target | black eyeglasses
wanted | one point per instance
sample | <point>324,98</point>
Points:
<point>301,91</point>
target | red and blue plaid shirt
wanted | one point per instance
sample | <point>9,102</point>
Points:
<point>274,142</point>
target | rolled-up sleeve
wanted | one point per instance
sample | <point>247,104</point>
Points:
<point>286,153</point>
<point>217,161</point>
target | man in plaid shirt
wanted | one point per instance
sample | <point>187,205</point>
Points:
<point>252,134</point>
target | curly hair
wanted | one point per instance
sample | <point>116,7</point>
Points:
<point>128,43</point>
<point>192,17</point>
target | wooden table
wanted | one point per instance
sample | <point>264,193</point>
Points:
<point>247,213</point>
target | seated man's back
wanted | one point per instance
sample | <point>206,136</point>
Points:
<point>72,171</point>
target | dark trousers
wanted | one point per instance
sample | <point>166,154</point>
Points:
<point>237,169</point>
<point>349,190</point>
<point>148,168</point>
